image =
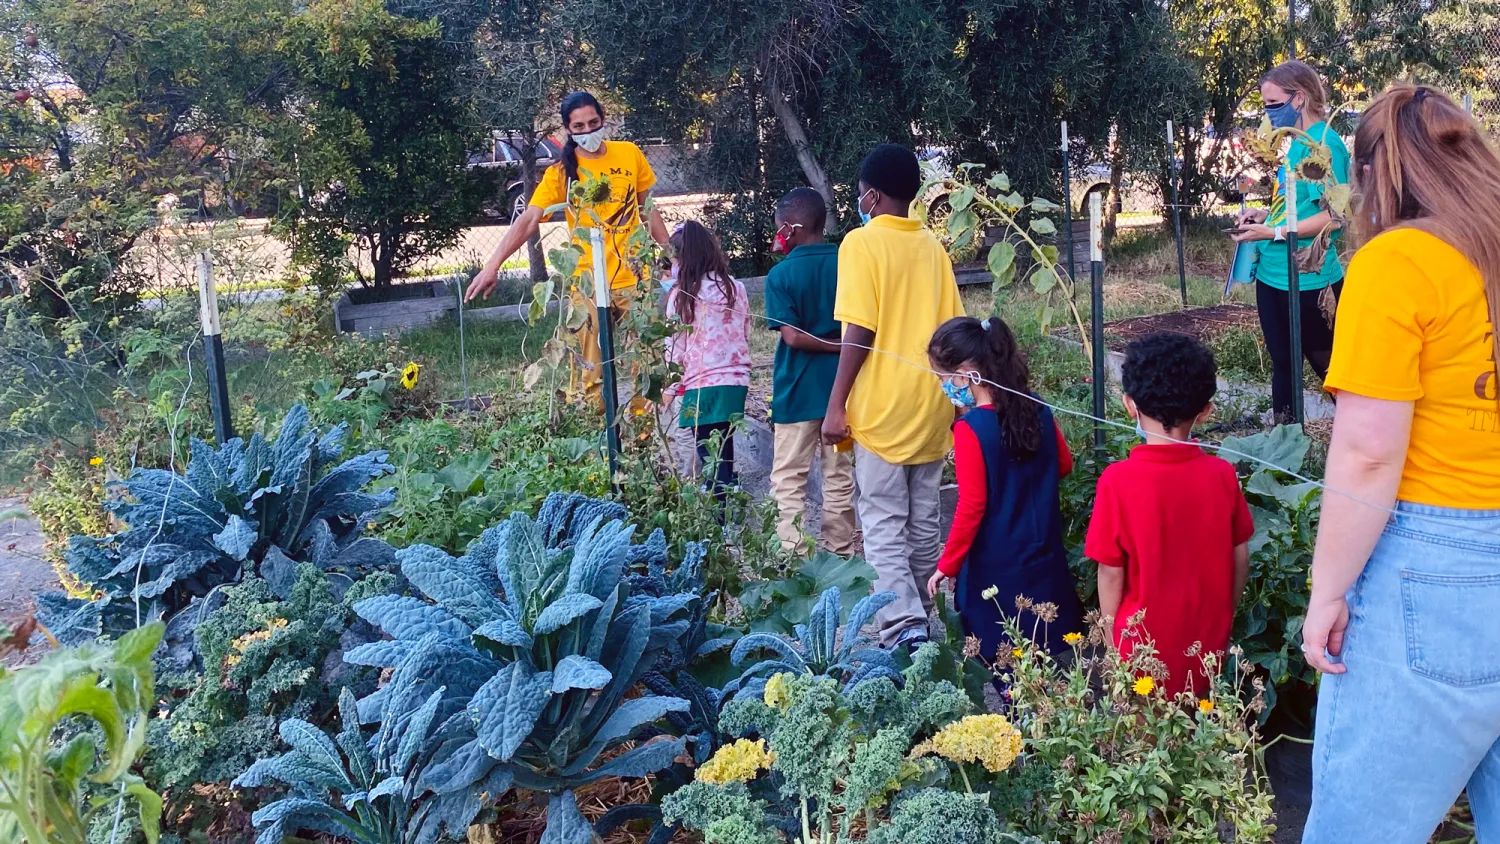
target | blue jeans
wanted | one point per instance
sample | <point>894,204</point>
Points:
<point>1416,718</point>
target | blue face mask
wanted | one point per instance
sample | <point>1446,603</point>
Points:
<point>1139,431</point>
<point>864,216</point>
<point>960,396</point>
<point>1284,115</point>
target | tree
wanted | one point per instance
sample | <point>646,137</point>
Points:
<point>381,141</point>
<point>525,62</point>
<point>112,106</point>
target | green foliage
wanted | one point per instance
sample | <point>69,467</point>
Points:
<point>825,758</point>
<point>1130,763</point>
<point>256,505</point>
<point>820,647</point>
<point>382,142</point>
<point>784,600</point>
<point>1268,625</point>
<point>526,648</point>
<point>261,659</point>
<point>53,793</point>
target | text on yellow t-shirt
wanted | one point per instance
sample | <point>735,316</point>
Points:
<point>896,280</point>
<point>630,177</point>
<point>1413,325</point>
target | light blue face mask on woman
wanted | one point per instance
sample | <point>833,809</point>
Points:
<point>1284,115</point>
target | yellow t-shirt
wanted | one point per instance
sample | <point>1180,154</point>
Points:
<point>630,177</point>
<point>896,280</point>
<point>1413,325</point>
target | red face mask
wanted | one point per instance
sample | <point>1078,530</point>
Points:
<point>779,245</point>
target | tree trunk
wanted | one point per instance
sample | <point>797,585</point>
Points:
<point>1116,173</point>
<point>534,255</point>
<point>382,258</point>
<point>817,177</point>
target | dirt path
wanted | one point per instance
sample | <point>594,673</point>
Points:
<point>23,570</point>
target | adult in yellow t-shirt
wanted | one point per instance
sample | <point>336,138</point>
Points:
<point>1404,615</point>
<point>895,288</point>
<point>587,155</point>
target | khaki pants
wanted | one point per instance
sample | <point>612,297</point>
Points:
<point>791,463</point>
<point>899,511</point>
<point>588,339</point>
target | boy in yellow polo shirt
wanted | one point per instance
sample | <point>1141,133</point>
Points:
<point>895,288</point>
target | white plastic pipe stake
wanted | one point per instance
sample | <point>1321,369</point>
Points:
<point>601,284</point>
<point>1171,136</point>
<point>1096,227</point>
<point>208,297</point>
<point>1065,136</point>
<point>1291,203</point>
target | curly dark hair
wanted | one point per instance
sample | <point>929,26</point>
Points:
<point>990,347</point>
<point>1170,377</point>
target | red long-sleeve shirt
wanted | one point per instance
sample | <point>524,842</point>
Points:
<point>973,493</point>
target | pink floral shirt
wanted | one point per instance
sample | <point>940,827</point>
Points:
<point>715,350</point>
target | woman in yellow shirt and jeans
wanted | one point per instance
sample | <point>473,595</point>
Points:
<point>1404,616</point>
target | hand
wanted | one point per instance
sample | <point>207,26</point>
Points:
<point>1254,231</point>
<point>935,582</point>
<point>483,283</point>
<point>835,426</point>
<point>1252,215</point>
<point>1323,631</point>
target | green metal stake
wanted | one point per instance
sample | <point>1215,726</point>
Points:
<point>604,313</point>
<point>1294,291</point>
<point>213,350</point>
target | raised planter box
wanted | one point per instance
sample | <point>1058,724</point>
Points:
<point>421,303</point>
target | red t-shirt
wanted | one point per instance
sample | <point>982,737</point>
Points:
<point>1172,516</point>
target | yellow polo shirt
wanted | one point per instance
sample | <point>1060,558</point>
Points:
<point>896,280</point>
<point>1413,325</point>
<point>630,177</point>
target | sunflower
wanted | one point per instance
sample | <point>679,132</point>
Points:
<point>409,376</point>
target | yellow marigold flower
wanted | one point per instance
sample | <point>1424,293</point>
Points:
<point>1144,686</point>
<point>737,762</point>
<point>96,461</point>
<point>990,593</point>
<point>1205,706</point>
<point>409,376</point>
<point>1073,638</point>
<point>988,739</point>
<point>775,694</point>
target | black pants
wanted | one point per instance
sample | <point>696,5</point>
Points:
<point>724,475</point>
<point>1275,325</point>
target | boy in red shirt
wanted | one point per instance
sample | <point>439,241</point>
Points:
<point>1170,529</point>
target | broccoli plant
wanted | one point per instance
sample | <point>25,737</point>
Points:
<point>257,505</point>
<point>819,649</point>
<point>537,638</point>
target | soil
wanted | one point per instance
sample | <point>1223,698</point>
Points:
<point>394,293</point>
<point>1199,323</point>
<point>24,569</point>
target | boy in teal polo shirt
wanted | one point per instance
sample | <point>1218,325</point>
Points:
<point>799,304</point>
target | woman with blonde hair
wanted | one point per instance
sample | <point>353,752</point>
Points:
<point>1404,616</point>
<point>1294,96</point>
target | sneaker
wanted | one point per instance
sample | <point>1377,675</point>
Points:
<point>912,638</point>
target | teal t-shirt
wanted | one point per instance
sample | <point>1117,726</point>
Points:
<point>1272,268</point>
<point>800,292</point>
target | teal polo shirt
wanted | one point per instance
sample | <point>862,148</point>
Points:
<point>799,293</point>
<point>1272,267</point>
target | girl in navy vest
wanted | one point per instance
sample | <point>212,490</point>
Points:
<point>1009,456</point>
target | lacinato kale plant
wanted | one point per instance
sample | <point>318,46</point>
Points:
<point>242,507</point>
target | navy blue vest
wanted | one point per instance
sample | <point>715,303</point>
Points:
<point>1019,547</point>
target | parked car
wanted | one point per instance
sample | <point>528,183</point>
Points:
<point>504,155</point>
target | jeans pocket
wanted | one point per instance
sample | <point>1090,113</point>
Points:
<point>1450,626</point>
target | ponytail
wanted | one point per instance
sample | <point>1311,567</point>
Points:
<point>991,348</point>
<point>570,104</point>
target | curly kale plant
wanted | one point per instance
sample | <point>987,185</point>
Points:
<point>537,644</point>
<point>812,755</point>
<point>819,649</point>
<point>245,506</point>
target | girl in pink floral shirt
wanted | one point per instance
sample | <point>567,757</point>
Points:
<point>712,346</point>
